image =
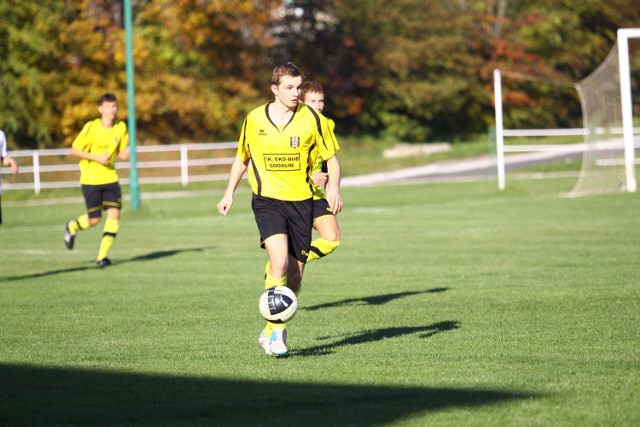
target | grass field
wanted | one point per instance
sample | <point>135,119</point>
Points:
<point>446,304</point>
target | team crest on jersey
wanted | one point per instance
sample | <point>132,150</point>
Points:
<point>294,141</point>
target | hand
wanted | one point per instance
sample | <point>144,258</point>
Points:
<point>320,178</point>
<point>13,164</point>
<point>124,155</point>
<point>225,205</point>
<point>103,159</point>
<point>334,199</point>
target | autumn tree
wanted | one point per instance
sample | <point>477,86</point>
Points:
<point>29,71</point>
<point>199,66</point>
<point>411,70</point>
<point>196,66</point>
<point>421,70</point>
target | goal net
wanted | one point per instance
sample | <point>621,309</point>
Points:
<point>610,100</point>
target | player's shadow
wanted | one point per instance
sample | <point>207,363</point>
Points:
<point>37,395</point>
<point>46,273</point>
<point>146,257</point>
<point>161,254</point>
<point>373,335</point>
<point>373,300</point>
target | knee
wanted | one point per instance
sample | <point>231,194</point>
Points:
<point>331,234</point>
<point>113,213</point>
<point>278,266</point>
<point>94,221</point>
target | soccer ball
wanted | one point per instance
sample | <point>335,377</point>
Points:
<point>278,304</point>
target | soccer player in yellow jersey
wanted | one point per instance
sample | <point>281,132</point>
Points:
<point>324,221</point>
<point>97,146</point>
<point>281,140</point>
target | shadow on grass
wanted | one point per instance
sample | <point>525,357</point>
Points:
<point>58,396</point>
<point>374,300</point>
<point>160,254</point>
<point>146,257</point>
<point>377,335</point>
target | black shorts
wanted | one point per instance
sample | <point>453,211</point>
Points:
<point>321,208</point>
<point>99,197</point>
<point>295,219</point>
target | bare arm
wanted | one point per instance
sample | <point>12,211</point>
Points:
<point>333,185</point>
<point>102,158</point>
<point>238,169</point>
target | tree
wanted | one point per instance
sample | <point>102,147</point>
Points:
<point>411,70</point>
<point>29,55</point>
<point>199,63</point>
<point>420,70</point>
<point>572,38</point>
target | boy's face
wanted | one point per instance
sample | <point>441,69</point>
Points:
<point>108,110</point>
<point>315,100</point>
<point>288,90</point>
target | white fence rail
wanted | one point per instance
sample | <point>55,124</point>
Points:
<point>41,169</point>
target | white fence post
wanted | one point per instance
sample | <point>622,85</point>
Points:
<point>36,172</point>
<point>184,164</point>
<point>497,94</point>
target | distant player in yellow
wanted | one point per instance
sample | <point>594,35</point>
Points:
<point>281,140</point>
<point>324,221</point>
<point>98,145</point>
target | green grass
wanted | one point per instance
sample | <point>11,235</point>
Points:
<point>446,304</point>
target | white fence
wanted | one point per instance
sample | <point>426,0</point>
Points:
<point>41,169</point>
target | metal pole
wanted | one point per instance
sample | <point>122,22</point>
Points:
<point>131,96</point>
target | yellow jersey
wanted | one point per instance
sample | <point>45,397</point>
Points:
<point>96,139</point>
<point>282,156</point>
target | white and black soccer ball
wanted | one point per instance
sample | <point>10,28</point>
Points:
<point>278,304</point>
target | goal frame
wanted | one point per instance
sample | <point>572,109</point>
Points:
<point>623,34</point>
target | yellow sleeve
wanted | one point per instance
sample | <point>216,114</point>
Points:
<point>243,143</point>
<point>124,141</point>
<point>332,124</point>
<point>330,145</point>
<point>81,141</point>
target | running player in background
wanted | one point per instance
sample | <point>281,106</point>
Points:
<point>6,160</point>
<point>281,139</point>
<point>324,221</point>
<point>97,146</point>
